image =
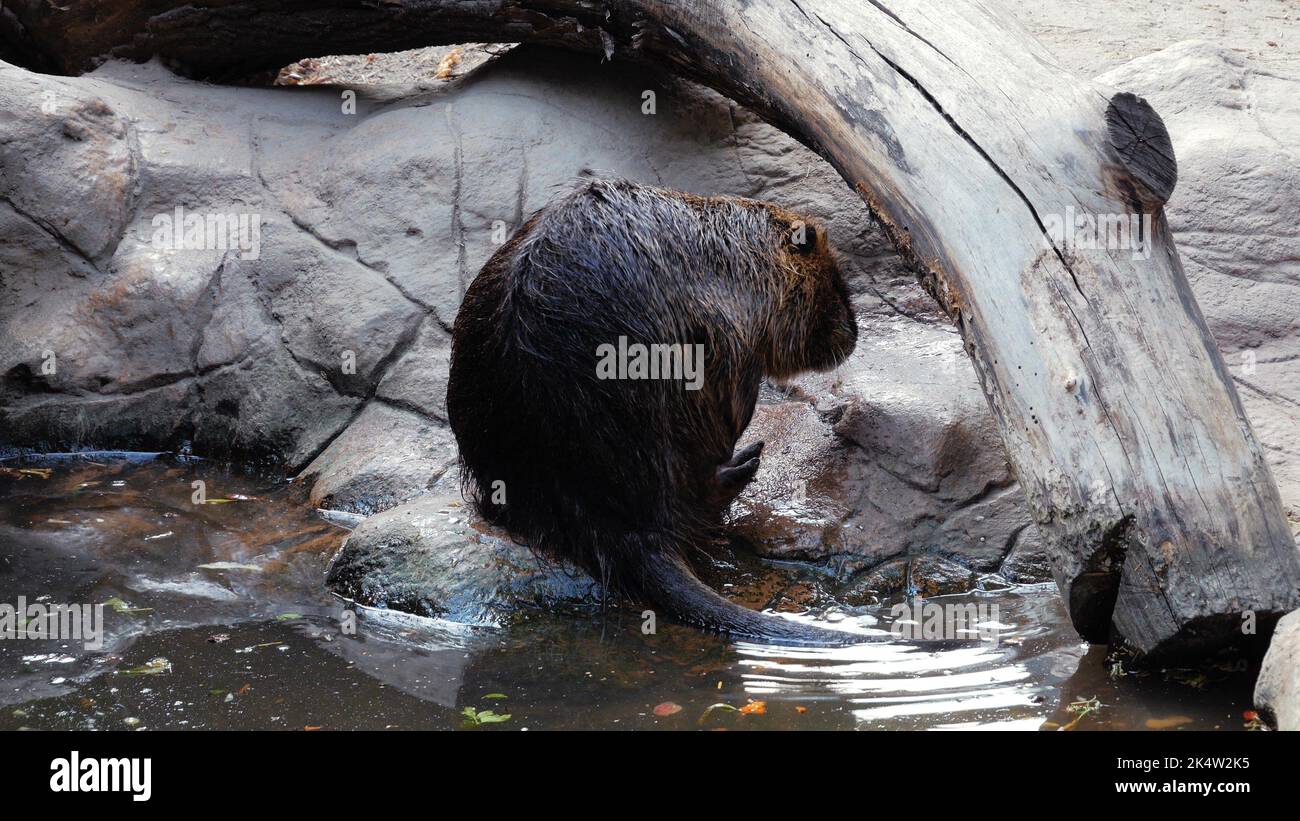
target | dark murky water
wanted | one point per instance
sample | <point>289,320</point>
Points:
<point>215,617</point>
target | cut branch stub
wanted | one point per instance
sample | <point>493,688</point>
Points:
<point>1141,141</point>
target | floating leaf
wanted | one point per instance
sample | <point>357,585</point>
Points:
<point>496,695</point>
<point>286,617</point>
<point>474,718</point>
<point>252,568</point>
<point>120,606</point>
<point>1082,708</point>
<point>1192,678</point>
<point>152,667</point>
<point>1167,723</point>
<point>668,708</point>
<point>801,710</point>
<point>719,706</point>
<point>754,708</point>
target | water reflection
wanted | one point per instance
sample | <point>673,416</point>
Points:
<point>229,595</point>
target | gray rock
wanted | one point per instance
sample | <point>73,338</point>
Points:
<point>385,457</point>
<point>1277,690</point>
<point>894,455</point>
<point>432,557</point>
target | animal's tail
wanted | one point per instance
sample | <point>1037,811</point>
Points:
<point>669,582</point>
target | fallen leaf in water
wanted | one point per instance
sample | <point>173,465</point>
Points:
<point>43,473</point>
<point>801,710</point>
<point>252,568</point>
<point>1192,678</point>
<point>1082,708</point>
<point>667,708</point>
<point>474,718</point>
<point>152,667</point>
<point>754,708</point>
<point>288,617</point>
<point>1167,723</point>
<point>496,695</point>
<point>242,690</point>
<point>719,706</point>
<point>312,727</point>
<point>120,606</point>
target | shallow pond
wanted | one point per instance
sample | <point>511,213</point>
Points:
<point>215,616</point>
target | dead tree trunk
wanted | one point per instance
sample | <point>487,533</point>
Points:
<point>977,153</point>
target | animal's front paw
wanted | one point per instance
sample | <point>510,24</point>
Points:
<point>751,452</point>
<point>732,479</point>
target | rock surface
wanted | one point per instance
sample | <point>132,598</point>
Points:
<point>432,558</point>
<point>1277,690</point>
<point>328,350</point>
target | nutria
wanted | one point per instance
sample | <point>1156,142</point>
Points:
<point>624,475</point>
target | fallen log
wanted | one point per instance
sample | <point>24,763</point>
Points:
<point>982,159</point>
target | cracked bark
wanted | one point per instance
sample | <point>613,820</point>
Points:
<point>964,138</point>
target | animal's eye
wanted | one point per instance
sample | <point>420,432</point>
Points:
<point>803,239</point>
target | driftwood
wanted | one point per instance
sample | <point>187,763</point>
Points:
<point>977,153</point>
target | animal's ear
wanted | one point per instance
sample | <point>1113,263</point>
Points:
<point>802,238</point>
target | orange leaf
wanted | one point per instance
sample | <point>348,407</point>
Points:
<point>754,708</point>
<point>801,709</point>
<point>668,708</point>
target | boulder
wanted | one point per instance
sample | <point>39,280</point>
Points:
<point>1277,690</point>
<point>433,557</point>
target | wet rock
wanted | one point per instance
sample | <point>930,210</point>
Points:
<point>892,456</point>
<point>1027,563</point>
<point>1277,690</point>
<point>923,576</point>
<point>432,557</point>
<point>385,457</point>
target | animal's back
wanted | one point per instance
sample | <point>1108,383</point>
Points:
<point>614,265</point>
